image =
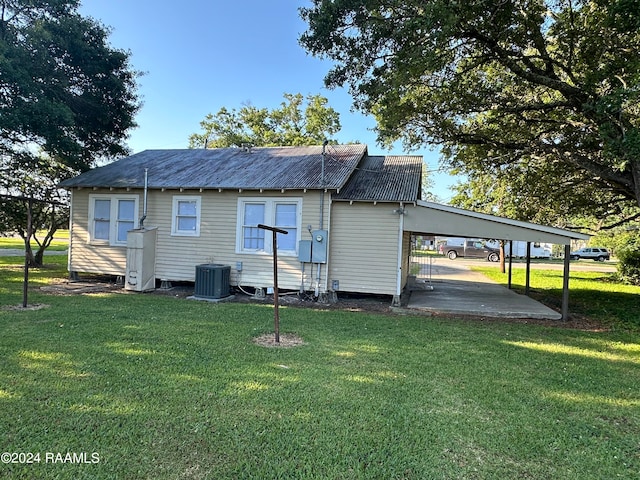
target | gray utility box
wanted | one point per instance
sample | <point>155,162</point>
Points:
<point>212,281</point>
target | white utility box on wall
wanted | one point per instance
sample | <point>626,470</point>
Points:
<point>141,260</point>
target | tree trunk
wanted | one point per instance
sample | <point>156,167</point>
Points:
<point>635,172</point>
<point>33,259</point>
<point>38,258</point>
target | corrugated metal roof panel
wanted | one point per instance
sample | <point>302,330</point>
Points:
<point>385,179</point>
<point>269,168</point>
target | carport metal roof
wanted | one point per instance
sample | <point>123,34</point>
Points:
<point>433,218</point>
<point>428,217</point>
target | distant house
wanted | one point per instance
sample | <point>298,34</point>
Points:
<point>349,217</point>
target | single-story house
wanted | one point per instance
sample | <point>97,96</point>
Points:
<point>349,217</point>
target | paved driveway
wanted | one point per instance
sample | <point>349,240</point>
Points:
<point>454,289</point>
<point>15,252</point>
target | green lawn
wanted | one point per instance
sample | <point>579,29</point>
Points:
<point>594,295</point>
<point>165,388</point>
<point>60,242</point>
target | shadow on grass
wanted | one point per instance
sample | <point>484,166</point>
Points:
<point>616,310</point>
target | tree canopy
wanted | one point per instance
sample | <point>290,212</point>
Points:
<point>298,121</point>
<point>63,90</point>
<point>67,99</point>
<point>542,94</point>
<point>35,203</point>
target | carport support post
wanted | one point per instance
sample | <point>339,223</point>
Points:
<point>565,283</point>
<point>276,314</point>
<point>510,260</point>
<point>526,286</point>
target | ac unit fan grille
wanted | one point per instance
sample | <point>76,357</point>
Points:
<point>212,281</point>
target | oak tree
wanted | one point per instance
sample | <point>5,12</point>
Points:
<point>541,94</point>
<point>33,207</point>
<point>298,121</point>
<point>65,94</point>
<point>63,89</point>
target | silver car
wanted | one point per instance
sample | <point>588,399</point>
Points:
<point>598,254</point>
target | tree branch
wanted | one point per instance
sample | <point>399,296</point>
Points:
<point>621,222</point>
<point>533,74</point>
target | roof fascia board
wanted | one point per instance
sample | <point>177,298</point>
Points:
<point>515,229</point>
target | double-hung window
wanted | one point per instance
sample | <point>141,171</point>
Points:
<point>283,213</point>
<point>101,219</point>
<point>286,218</point>
<point>186,216</point>
<point>111,217</point>
<point>252,236</point>
<point>126,218</point>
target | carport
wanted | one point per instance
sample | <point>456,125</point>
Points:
<point>429,218</point>
<point>454,289</point>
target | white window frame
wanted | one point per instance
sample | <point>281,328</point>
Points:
<point>175,231</point>
<point>113,217</point>
<point>269,219</point>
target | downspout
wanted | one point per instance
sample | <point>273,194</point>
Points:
<point>321,222</point>
<point>396,299</point>
<point>324,153</point>
<point>144,198</point>
<point>326,266</point>
<point>70,254</point>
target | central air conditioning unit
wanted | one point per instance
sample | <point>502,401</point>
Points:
<point>212,281</point>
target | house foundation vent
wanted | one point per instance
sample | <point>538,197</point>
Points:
<point>212,281</point>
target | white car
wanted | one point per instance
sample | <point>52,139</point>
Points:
<point>598,254</point>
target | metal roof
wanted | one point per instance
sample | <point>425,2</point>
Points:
<point>269,168</point>
<point>434,218</point>
<point>384,179</point>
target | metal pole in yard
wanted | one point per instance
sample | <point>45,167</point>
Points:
<point>565,283</point>
<point>276,314</point>
<point>25,282</point>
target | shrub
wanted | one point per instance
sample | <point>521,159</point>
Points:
<point>629,265</point>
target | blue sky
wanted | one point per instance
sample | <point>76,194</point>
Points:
<point>199,56</point>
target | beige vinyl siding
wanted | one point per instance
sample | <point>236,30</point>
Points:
<point>364,247</point>
<point>84,256</point>
<point>177,256</point>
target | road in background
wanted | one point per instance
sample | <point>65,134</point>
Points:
<point>15,252</point>
<point>576,265</point>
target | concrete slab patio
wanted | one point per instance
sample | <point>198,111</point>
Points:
<point>454,289</point>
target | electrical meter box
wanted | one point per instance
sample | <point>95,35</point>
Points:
<point>304,251</point>
<point>319,246</point>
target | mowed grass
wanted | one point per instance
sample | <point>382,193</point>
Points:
<point>594,295</point>
<point>166,388</point>
<point>60,242</point>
